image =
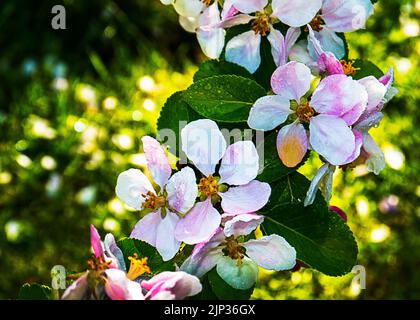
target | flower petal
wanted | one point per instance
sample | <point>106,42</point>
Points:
<point>278,47</point>
<point>119,287</point>
<point>246,198</point>
<point>359,142</point>
<point>199,224</point>
<point>340,96</point>
<point>271,252</point>
<point>188,8</point>
<point>240,277</point>
<point>204,144</point>
<point>78,290</point>
<point>331,42</point>
<point>292,144</point>
<point>157,160</point>
<point>166,244</point>
<point>240,164</point>
<point>322,178</point>
<point>376,160</point>
<point>249,6</point>
<point>146,229</point>
<point>331,138</point>
<point>113,252</point>
<point>296,13</point>
<point>131,185</point>
<point>189,24</point>
<point>346,15</point>
<point>182,190</point>
<point>269,112</point>
<point>376,93</point>
<point>212,39</point>
<point>95,242</point>
<point>242,224</point>
<point>291,81</point>
<point>244,49</point>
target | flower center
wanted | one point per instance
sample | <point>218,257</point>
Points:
<point>234,250</point>
<point>153,201</point>
<point>316,24</point>
<point>305,112</point>
<point>98,264</point>
<point>262,24</point>
<point>348,67</point>
<point>207,3</point>
<point>138,267</point>
<point>208,186</point>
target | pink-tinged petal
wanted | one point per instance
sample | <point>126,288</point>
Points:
<point>188,8</point>
<point>269,112</point>
<point>359,142</point>
<point>235,20</point>
<point>78,290</point>
<point>146,229</point>
<point>340,96</point>
<point>166,244</point>
<point>376,158</point>
<point>291,81</point>
<point>131,186</point>
<point>205,255</point>
<point>244,50</point>
<point>329,64</point>
<point>199,224</point>
<point>228,9</point>
<point>388,79</point>
<point>296,13</point>
<point>95,242</point>
<point>113,252</point>
<point>376,93</point>
<point>204,144</point>
<point>189,24</point>
<point>157,160</point>
<point>182,190</point>
<point>119,287</point>
<point>240,163</point>
<point>278,47</point>
<point>211,39</point>
<point>346,15</point>
<point>241,276</point>
<point>171,286</point>
<point>242,224</point>
<point>247,198</point>
<point>271,252</point>
<point>331,138</point>
<point>292,144</point>
<point>249,6</point>
<point>331,42</point>
<point>323,178</point>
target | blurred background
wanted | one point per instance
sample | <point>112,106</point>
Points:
<point>75,103</point>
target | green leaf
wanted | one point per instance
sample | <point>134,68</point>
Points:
<point>34,292</point>
<point>225,292</point>
<point>367,68</point>
<point>216,68</point>
<point>207,291</point>
<point>130,246</point>
<point>273,168</point>
<point>321,238</point>
<point>226,98</point>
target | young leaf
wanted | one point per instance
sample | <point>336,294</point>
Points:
<point>321,238</point>
<point>34,292</point>
<point>226,98</point>
<point>217,68</point>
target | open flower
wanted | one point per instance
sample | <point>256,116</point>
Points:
<point>237,260</point>
<point>175,197</point>
<point>336,104</point>
<point>233,185</point>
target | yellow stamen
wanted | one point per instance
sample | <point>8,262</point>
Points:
<point>262,25</point>
<point>305,112</point>
<point>235,250</point>
<point>138,267</point>
<point>316,24</point>
<point>153,201</point>
<point>348,67</point>
<point>208,186</point>
<point>207,3</point>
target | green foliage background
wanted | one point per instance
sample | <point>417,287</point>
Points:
<point>74,104</point>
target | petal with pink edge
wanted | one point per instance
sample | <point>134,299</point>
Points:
<point>340,96</point>
<point>359,142</point>
<point>204,144</point>
<point>247,198</point>
<point>182,190</point>
<point>269,112</point>
<point>292,144</point>
<point>296,13</point>
<point>244,50</point>
<point>166,244</point>
<point>291,81</point>
<point>146,229</point>
<point>157,160</point>
<point>331,138</point>
<point>95,242</point>
<point>240,163</point>
<point>271,252</point>
<point>242,224</point>
<point>78,290</point>
<point>119,287</point>
<point>131,186</point>
<point>346,15</point>
<point>376,93</point>
<point>199,224</point>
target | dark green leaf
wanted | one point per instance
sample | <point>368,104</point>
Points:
<point>34,292</point>
<point>216,68</point>
<point>321,238</point>
<point>226,98</point>
<point>367,68</point>
<point>223,291</point>
<point>131,246</point>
